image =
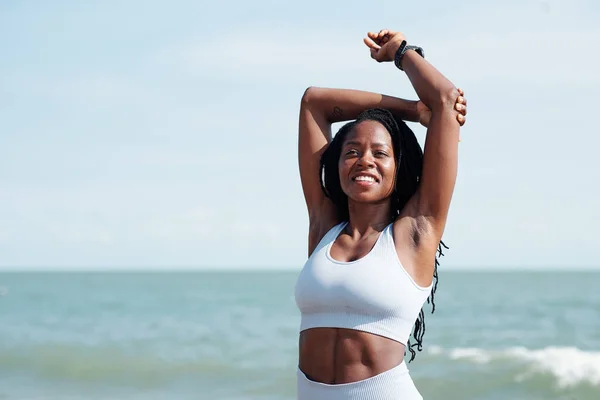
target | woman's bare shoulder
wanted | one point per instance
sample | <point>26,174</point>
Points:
<point>320,222</point>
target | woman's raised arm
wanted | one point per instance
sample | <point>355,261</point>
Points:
<point>440,158</point>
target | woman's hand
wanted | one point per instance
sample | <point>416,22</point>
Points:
<point>383,45</point>
<point>460,106</point>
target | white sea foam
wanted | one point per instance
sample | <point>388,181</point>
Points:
<point>569,365</point>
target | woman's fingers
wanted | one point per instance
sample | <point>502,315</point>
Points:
<point>374,54</point>
<point>371,44</point>
<point>462,98</point>
<point>373,47</point>
<point>383,32</point>
<point>381,37</point>
<point>460,106</point>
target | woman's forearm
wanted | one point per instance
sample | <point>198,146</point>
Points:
<point>339,105</point>
<point>431,86</point>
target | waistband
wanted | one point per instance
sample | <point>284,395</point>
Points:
<point>393,384</point>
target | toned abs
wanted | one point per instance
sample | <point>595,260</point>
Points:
<point>336,355</point>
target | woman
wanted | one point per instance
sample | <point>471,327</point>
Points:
<point>377,207</point>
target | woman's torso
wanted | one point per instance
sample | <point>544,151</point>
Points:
<point>368,276</point>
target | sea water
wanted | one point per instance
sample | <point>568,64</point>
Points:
<point>233,336</point>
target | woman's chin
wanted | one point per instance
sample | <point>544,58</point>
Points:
<point>366,197</point>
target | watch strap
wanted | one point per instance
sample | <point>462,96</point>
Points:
<point>402,50</point>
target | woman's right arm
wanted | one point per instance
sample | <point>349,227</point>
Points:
<point>320,108</point>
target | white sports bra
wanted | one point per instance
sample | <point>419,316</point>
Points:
<point>372,294</point>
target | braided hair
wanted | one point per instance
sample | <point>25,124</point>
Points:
<point>409,165</point>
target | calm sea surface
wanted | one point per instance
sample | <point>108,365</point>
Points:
<point>233,336</point>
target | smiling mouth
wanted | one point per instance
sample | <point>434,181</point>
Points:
<point>365,179</point>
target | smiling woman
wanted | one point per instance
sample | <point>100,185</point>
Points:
<point>377,207</point>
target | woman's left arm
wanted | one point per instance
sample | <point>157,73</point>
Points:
<point>440,159</point>
<point>440,155</point>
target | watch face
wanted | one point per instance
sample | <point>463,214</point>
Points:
<point>417,49</point>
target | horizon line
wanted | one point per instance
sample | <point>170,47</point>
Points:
<point>232,268</point>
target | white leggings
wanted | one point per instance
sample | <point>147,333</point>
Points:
<point>394,384</point>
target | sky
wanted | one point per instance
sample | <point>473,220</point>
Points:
<point>152,134</point>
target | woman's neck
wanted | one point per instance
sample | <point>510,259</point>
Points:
<point>365,218</point>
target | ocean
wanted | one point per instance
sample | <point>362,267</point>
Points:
<point>233,336</point>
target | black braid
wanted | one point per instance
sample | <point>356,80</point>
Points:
<point>409,165</point>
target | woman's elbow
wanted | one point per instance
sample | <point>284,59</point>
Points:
<point>445,98</point>
<point>310,95</point>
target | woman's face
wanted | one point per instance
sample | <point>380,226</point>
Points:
<point>367,165</point>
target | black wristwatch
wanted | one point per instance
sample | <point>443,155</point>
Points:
<point>402,50</point>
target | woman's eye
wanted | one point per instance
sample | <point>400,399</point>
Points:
<point>351,152</point>
<point>380,154</point>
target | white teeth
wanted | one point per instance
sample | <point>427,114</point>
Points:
<point>365,178</point>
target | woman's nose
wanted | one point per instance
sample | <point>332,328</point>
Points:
<point>367,160</point>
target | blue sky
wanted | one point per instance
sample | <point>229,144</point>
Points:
<point>152,134</point>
